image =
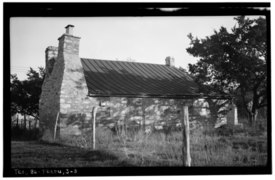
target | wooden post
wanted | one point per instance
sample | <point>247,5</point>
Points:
<point>235,115</point>
<point>17,121</point>
<point>94,130</point>
<point>186,139</point>
<point>22,123</point>
<point>125,125</point>
<point>55,126</point>
<point>35,123</point>
<point>143,118</point>
<point>25,122</point>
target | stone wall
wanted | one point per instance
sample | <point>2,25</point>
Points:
<point>214,110</point>
<point>140,112</point>
<point>121,111</point>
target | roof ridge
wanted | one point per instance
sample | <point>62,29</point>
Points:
<point>124,61</point>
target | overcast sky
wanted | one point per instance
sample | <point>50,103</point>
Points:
<point>143,39</point>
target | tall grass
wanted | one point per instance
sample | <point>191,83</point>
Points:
<point>208,147</point>
<point>232,147</point>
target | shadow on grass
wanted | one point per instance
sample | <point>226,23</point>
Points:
<point>23,134</point>
<point>34,154</point>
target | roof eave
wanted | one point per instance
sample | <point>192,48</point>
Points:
<point>189,96</point>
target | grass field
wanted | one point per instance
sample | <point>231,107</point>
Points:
<point>208,148</point>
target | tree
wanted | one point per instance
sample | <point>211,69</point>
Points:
<point>234,63</point>
<point>15,86</point>
<point>25,94</point>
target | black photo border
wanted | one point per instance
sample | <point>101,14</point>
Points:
<point>131,10</point>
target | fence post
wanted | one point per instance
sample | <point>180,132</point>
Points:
<point>35,123</point>
<point>94,121</point>
<point>17,121</point>
<point>25,122</point>
<point>125,125</point>
<point>235,115</point>
<point>186,139</point>
<point>55,126</point>
<point>143,118</point>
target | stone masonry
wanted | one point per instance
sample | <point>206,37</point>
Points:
<point>64,91</point>
<point>51,55</point>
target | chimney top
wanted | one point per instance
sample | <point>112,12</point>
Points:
<point>69,25</point>
<point>170,61</point>
<point>69,29</point>
<point>51,48</point>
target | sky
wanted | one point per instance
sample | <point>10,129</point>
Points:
<point>142,39</point>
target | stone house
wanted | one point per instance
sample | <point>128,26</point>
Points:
<point>117,92</point>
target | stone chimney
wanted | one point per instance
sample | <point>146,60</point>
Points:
<point>170,61</point>
<point>73,86</point>
<point>51,55</point>
<point>64,92</point>
<point>69,29</point>
<point>68,43</point>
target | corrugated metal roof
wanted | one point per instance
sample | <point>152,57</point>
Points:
<point>122,78</point>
